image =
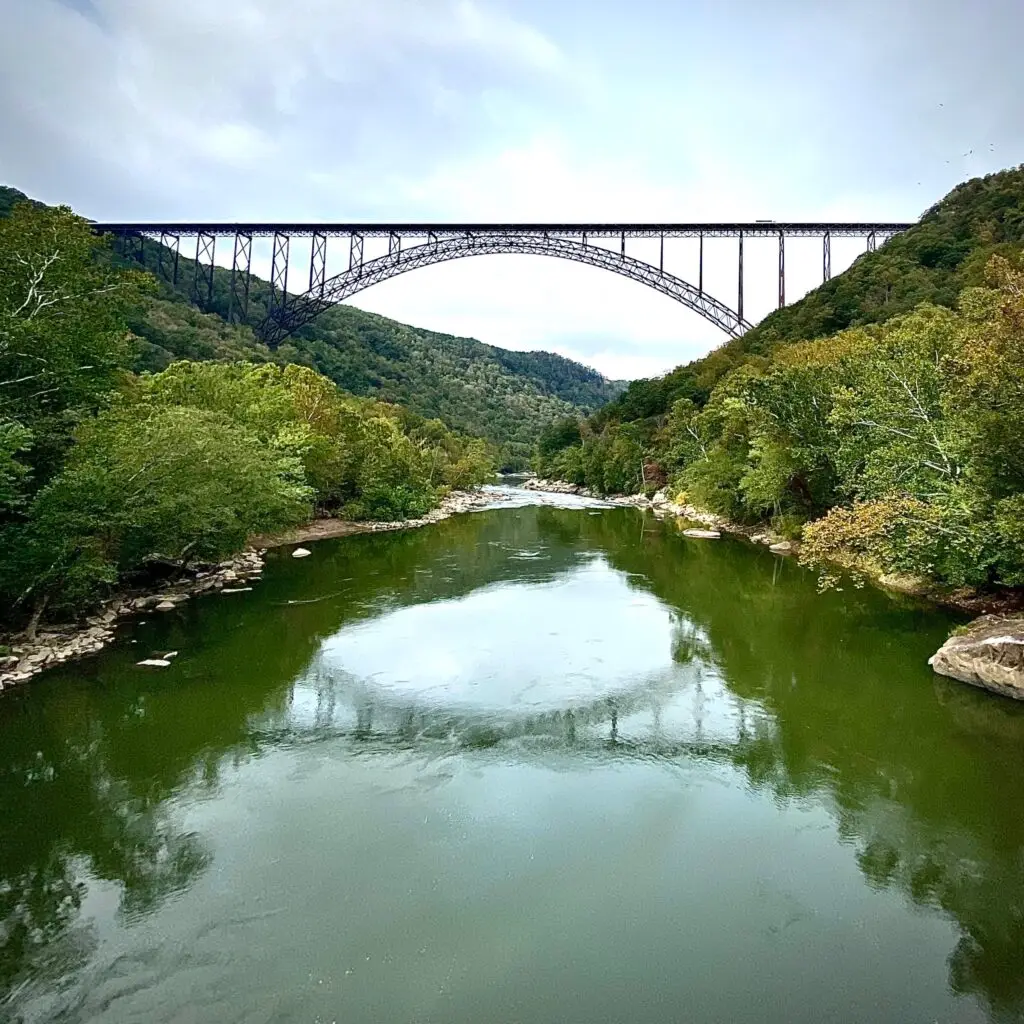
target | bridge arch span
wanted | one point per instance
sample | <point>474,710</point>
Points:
<point>299,310</point>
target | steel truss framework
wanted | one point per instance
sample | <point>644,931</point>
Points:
<point>438,243</point>
<point>360,276</point>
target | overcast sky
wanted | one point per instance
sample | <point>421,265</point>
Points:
<point>517,109</point>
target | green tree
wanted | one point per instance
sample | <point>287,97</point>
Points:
<point>63,341</point>
<point>180,484</point>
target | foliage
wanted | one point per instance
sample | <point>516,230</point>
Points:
<point>63,343</point>
<point>505,397</point>
<point>103,472</point>
<point>896,439</point>
<point>180,484</point>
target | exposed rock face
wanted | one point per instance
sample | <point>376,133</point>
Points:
<point>990,655</point>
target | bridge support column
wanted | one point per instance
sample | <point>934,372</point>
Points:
<point>700,272</point>
<point>167,267</point>
<point>241,266</point>
<point>202,276</point>
<point>394,244</point>
<point>278,276</point>
<point>739,304</point>
<point>318,263</point>
<point>131,247</point>
<point>782,269</point>
<point>355,251</point>
<point>661,258</point>
<point>871,242</point>
<point>826,256</point>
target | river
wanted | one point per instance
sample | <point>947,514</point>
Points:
<point>544,763</point>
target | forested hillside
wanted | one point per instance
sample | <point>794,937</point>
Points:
<point>933,262</point>
<point>504,396</point>
<point>105,474</point>
<point>880,417</point>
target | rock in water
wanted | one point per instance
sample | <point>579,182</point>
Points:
<point>155,663</point>
<point>166,606</point>
<point>301,553</point>
<point>702,534</point>
<point>784,547</point>
<point>990,654</point>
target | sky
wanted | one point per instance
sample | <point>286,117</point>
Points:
<point>483,110</point>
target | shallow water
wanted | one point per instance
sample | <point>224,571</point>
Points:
<point>542,763</point>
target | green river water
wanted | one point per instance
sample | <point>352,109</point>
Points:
<point>537,764</point>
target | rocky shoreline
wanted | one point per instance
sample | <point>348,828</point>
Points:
<point>662,506</point>
<point>57,645</point>
<point>324,529</point>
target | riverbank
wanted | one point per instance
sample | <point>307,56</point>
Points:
<point>325,529</point>
<point>22,658</point>
<point>662,506</point>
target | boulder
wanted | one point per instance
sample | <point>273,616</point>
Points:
<point>989,654</point>
<point>155,663</point>
<point>301,553</point>
<point>166,606</point>
<point>784,547</point>
<point>702,534</point>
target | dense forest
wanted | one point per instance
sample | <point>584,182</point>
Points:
<point>106,473</point>
<point>879,418</point>
<point>506,397</point>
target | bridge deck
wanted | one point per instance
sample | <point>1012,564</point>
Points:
<point>767,229</point>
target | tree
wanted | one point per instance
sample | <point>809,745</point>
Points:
<point>63,341</point>
<point>181,484</point>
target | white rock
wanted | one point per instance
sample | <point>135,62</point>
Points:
<point>990,654</point>
<point>782,548</point>
<point>235,590</point>
<point>170,654</point>
<point>166,606</point>
<point>155,663</point>
<point>301,553</point>
<point>702,534</point>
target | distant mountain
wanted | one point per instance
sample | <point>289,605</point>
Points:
<point>507,397</point>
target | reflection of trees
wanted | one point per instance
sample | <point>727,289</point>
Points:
<point>83,820</point>
<point>921,776</point>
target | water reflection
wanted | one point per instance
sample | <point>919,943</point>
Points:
<point>546,638</point>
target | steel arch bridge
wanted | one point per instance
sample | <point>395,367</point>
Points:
<point>411,246</point>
